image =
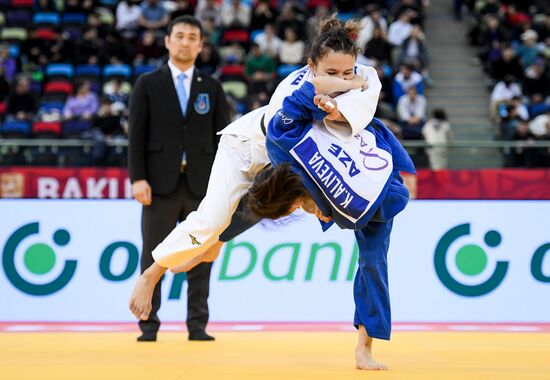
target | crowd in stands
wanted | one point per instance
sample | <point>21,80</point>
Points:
<point>513,38</point>
<point>67,67</point>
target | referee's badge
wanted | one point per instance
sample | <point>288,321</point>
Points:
<point>202,103</point>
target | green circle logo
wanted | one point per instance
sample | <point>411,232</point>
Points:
<point>39,259</point>
<point>470,260</point>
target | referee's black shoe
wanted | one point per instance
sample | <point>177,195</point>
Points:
<point>200,335</point>
<point>147,337</point>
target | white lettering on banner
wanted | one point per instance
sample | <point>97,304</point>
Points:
<point>48,187</point>
<point>113,188</point>
<point>128,189</point>
<point>72,189</point>
<point>95,187</point>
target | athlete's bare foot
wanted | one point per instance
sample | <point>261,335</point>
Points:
<point>363,353</point>
<point>140,300</point>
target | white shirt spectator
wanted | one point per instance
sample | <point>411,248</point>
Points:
<point>407,108</point>
<point>367,25</point>
<point>233,16</point>
<point>208,9</point>
<point>437,132</point>
<point>399,31</point>
<point>538,125</point>
<point>268,44</point>
<point>292,53</point>
<point>127,15</point>
<point>501,92</point>
<point>412,81</point>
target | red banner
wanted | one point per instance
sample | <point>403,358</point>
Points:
<point>64,183</point>
<point>113,183</point>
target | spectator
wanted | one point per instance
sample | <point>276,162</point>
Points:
<point>153,16</point>
<point>370,23</point>
<point>235,15</point>
<point>507,63</point>
<point>260,68</point>
<point>411,109</point>
<point>527,50</point>
<point>509,122</point>
<point>290,19</point>
<point>539,126</point>
<point>108,119</point>
<point>128,13</point>
<point>503,92</point>
<point>210,32</point>
<point>378,47</point>
<point>401,29</point>
<point>4,85</point>
<point>292,50</point>
<point>117,92</point>
<point>208,9</point>
<point>312,23</point>
<point>147,50</point>
<point>405,79</point>
<point>437,131</point>
<point>8,63</point>
<point>89,47</point>
<point>182,8</point>
<point>83,104</point>
<point>21,104</point>
<point>536,79</point>
<point>268,41</point>
<point>209,59</point>
<point>523,156</point>
<point>414,50</point>
<point>262,15</point>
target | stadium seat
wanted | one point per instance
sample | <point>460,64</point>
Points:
<point>255,33</point>
<point>108,3</point>
<point>284,70</point>
<point>41,129</point>
<point>45,34</point>
<point>2,19</point>
<point>44,18</point>
<point>60,70</point>
<point>311,4</point>
<point>3,108</point>
<point>56,87</point>
<point>74,19</point>
<point>142,69</point>
<point>16,129</point>
<point>237,88</point>
<point>88,71</point>
<point>14,34</point>
<point>21,18</point>
<point>74,128</point>
<point>49,106</point>
<point>14,51</point>
<point>22,3</point>
<point>240,36</point>
<point>233,70</point>
<point>124,71</point>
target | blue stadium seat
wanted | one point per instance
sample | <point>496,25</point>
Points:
<point>74,128</point>
<point>74,19</point>
<point>284,70</point>
<point>48,106</point>
<point>124,71</point>
<point>255,34</point>
<point>14,51</point>
<point>142,69</point>
<point>19,18</point>
<point>108,3</point>
<point>92,71</point>
<point>49,18</point>
<point>16,129</point>
<point>60,69</point>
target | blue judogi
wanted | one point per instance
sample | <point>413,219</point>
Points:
<point>356,183</point>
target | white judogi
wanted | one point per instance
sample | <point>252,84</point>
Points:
<point>242,154</point>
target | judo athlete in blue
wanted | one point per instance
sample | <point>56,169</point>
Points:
<point>354,184</point>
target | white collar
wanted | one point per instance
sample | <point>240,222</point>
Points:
<point>176,71</point>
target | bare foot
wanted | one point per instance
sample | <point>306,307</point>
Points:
<point>363,353</point>
<point>140,301</point>
<point>364,360</point>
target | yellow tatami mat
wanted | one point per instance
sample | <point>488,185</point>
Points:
<point>272,355</point>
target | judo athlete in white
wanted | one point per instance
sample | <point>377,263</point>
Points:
<point>242,154</point>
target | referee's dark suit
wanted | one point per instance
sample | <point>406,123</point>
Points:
<point>159,135</point>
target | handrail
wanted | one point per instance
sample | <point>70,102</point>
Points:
<point>464,144</point>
